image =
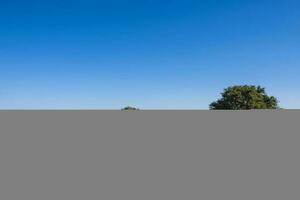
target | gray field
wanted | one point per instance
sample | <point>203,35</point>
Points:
<point>149,155</point>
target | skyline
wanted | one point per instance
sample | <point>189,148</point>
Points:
<point>151,54</point>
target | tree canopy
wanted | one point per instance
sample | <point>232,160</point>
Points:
<point>244,98</point>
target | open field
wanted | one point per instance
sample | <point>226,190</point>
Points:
<point>149,155</point>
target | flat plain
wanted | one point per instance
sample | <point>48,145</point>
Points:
<point>149,155</point>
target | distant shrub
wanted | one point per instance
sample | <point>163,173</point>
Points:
<point>129,108</point>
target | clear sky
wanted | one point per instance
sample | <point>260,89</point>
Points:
<point>153,54</point>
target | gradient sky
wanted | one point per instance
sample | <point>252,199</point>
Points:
<point>153,54</point>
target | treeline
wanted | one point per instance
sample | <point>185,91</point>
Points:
<point>240,97</point>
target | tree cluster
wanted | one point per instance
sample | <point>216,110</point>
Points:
<point>240,97</point>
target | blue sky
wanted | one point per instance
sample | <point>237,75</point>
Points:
<point>156,54</point>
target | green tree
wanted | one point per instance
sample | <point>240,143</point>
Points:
<point>244,98</point>
<point>130,108</point>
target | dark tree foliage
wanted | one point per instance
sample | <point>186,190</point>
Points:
<point>244,98</point>
<point>130,108</point>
